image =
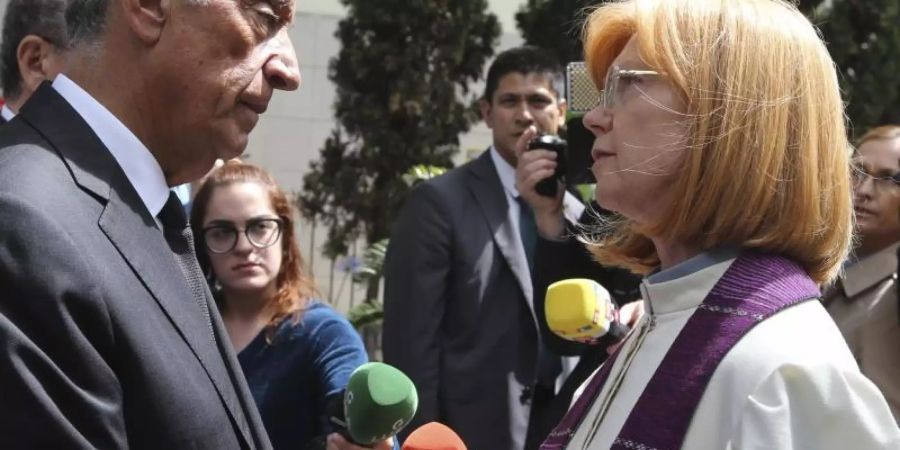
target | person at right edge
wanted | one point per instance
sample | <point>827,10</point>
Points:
<point>863,302</point>
<point>720,143</point>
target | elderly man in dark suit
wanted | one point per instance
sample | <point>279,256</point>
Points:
<point>458,312</point>
<point>33,49</point>
<point>109,335</point>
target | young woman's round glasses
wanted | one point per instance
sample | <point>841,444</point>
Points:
<point>222,237</point>
<point>617,82</point>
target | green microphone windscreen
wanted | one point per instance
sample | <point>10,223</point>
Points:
<point>379,401</point>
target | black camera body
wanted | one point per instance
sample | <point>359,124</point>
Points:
<point>548,186</point>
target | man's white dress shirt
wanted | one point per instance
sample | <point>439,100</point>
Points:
<point>139,165</point>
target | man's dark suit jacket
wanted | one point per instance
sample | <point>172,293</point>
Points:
<point>559,260</point>
<point>457,309</point>
<point>103,345</point>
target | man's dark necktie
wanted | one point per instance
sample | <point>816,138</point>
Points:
<point>527,231</point>
<point>549,364</point>
<point>181,242</point>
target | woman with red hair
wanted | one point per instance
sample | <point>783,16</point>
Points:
<point>297,353</point>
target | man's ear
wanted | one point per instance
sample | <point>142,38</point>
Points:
<point>33,50</point>
<point>563,107</point>
<point>146,18</point>
<point>485,107</point>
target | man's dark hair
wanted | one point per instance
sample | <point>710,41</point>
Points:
<point>86,19</point>
<point>44,18</point>
<point>524,60</point>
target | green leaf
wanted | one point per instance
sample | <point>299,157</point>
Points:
<point>365,313</point>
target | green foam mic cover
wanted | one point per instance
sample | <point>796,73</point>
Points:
<point>379,401</point>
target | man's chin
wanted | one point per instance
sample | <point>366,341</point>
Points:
<point>234,146</point>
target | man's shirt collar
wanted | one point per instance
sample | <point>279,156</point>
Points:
<point>139,165</point>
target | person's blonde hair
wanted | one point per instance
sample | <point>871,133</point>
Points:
<point>767,165</point>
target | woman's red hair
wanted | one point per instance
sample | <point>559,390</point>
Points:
<point>294,288</point>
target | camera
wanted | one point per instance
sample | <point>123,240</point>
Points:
<point>548,186</point>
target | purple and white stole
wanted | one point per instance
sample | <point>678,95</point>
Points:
<point>754,287</point>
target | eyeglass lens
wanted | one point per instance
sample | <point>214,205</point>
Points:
<point>261,233</point>
<point>880,182</point>
<point>610,87</point>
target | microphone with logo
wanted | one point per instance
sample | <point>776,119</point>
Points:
<point>433,436</point>
<point>581,310</point>
<point>377,403</point>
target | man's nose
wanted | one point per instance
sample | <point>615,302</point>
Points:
<point>524,113</point>
<point>282,70</point>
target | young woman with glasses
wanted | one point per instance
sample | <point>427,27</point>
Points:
<point>720,143</point>
<point>296,352</point>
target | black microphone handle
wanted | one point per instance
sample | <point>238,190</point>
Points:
<point>334,411</point>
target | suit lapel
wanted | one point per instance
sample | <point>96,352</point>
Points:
<point>144,248</point>
<point>133,231</point>
<point>488,192</point>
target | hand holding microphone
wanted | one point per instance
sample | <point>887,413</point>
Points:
<point>581,310</point>
<point>377,403</point>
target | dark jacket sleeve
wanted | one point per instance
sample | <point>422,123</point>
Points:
<point>58,389</point>
<point>416,271</point>
<point>569,258</point>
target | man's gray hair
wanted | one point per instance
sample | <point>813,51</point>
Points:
<point>86,19</point>
<point>42,18</point>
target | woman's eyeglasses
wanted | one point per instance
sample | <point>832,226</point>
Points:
<point>618,80</point>
<point>262,233</point>
<point>882,183</point>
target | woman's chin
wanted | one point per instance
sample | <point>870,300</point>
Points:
<point>605,198</point>
<point>245,287</point>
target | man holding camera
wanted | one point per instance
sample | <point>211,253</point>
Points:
<point>459,317</point>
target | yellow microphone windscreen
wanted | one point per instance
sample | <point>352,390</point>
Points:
<point>579,310</point>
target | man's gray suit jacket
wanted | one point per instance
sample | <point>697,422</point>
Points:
<point>457,307</point>
<point>103,345</point>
